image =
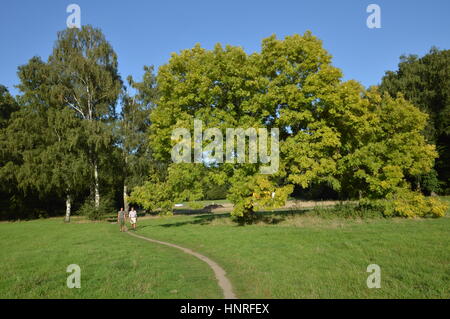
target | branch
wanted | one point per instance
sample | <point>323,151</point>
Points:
<point>75,108</point>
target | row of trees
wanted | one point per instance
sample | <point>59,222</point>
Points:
<point>425,82</point>
<point>66,140</point>
<point>62,140</point>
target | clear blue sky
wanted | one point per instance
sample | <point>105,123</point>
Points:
<point>146,32</point>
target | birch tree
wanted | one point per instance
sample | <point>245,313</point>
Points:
<point>85,79</point>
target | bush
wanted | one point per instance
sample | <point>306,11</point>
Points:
<point>89,210</point>
<point>347,210</point>
<point>215,191</point>
<point>430,183</point>
<point>406,203</point>
<point>381,205</point>
<point>196,205</point>
<point>413,204</point>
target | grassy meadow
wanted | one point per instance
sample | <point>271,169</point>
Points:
<point>294,254</point>
<point>34,256</point>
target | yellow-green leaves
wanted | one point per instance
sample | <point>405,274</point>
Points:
<point>378,160</point>
<point>331,132</point>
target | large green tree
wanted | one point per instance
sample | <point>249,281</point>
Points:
<point>8,106</point>
<point>45,139</point>
<point>62,136</point>
<point>330,132</point>
<point>85,78</point>
<point>425,81</point>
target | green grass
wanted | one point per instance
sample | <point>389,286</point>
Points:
<point>311,257</point>
<point>285,255</point>
<point>34,256</point>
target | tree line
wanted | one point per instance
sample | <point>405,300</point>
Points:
<point>65,147</point>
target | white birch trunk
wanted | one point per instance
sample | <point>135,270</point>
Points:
<point>68,208</point>
<point>125,189</point>
<point>125,200</point>
<point>96,187</point>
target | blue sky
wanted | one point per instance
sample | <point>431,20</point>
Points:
<point>147,32</point>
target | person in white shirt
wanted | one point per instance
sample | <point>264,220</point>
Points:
<point>133,218</point>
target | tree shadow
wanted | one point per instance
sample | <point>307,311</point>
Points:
<point>191,211</point>
<point>271,217</point>
<point>204,219</point>
<point>260,217</point>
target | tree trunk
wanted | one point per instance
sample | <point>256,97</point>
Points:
<point>68,208</point>
<point>96,187</point>
<point>125,200</point>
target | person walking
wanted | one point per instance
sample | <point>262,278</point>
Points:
<point>133,218</point>
<point>121,219</point>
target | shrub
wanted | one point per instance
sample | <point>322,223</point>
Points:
<point>347,210</point>
<point>413,204</point>
<point>437,208</point>
<point>89,210</point>
<point>430,183</point>
<point>196,205</point>
<point>406,203</point>
<point>382,206</point>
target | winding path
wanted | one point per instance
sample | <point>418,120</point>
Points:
<point>220,273</point>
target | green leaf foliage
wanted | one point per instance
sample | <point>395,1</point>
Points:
<point>357,141</point>
<point>425,82</point>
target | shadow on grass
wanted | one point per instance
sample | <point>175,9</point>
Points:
<point>206,215</point>
<point>191,211</point>
<point>273,217</point>
<point>265,217</point>
<point>204,219</point>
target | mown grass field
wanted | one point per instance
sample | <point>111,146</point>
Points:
<point>34,256</point>
<point>286,255</point>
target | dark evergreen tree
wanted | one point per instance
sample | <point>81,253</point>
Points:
<point>425,81</point>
